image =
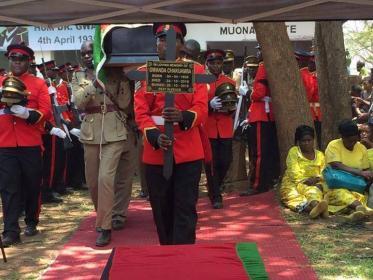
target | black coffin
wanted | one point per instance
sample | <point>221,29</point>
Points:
<point>125,46</point>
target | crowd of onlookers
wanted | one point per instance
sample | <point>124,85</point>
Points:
<point>339,181</point>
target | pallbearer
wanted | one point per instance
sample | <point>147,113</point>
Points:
<point>173,201</point>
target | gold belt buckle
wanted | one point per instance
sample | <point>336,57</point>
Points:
<point>103,109</point>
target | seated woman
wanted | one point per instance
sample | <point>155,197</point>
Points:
<point>366,134</point>
<point>302,187</point>
<point>349,155</point>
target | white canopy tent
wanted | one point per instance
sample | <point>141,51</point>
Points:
<point>55,13</point>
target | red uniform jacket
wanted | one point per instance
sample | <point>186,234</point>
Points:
<point>310,84</point>
<point>315,100</point>
<point>17,132</point>
<point>187,140</point>
<point>219,125</point>
<point>261,106</point>
<point>63,99</point>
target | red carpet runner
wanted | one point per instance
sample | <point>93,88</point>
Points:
<point>243,219</point>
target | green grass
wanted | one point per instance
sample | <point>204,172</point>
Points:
<point>335,251</point>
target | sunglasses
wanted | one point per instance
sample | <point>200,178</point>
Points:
<point>18,58</point>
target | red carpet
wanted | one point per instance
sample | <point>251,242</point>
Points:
<point>251,219</point>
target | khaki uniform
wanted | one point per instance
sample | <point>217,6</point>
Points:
<point>109,143</point>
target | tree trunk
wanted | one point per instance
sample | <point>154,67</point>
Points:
<point>289,100</point>
<point>332,78</point>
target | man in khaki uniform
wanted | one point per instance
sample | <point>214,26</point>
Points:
<point>109,142</point>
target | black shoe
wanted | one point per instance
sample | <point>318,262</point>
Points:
<point>117,224</point>
<point>250,192</point>
<point>51,198</point>
<point>31,230</point>
<point>11,240</point>
<point>103,238</point>
<point>98,229</point>
<point>217,205</point>
<point>65,191</point>
<point>143,194</point>
<point>80,187</point>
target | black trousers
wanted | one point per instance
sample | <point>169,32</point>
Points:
<point>75,176</point>
<point>264,155</point>
<point>54,164</point>
<point>216,171</point>
<point>20,173</point>
<point>174,201</point>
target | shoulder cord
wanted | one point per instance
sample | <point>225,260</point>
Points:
<point>102,128</point>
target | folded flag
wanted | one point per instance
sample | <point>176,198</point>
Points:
<point>213,261</point>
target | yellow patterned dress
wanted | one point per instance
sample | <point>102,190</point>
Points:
<point>370,158</point>
<point>295,194</point>
<point>340,198</point>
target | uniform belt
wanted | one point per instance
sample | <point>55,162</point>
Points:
<point>266,100</point>
<point>159,120</point>
<point>103,109</point>
<point>315,104</point>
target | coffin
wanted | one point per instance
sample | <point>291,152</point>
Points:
<point>125,46</point>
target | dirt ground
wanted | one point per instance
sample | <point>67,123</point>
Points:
<point>336,251</point>
<point>57,222</point>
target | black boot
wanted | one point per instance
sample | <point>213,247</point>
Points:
<point>217,205</point>
<point>251,191</point>
<point>31,230</point>
<point>50,197</point>
<point>117,224</point>
<point>9,240</point>
<point>103,238</point>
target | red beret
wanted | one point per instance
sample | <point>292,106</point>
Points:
<point>159,29</point>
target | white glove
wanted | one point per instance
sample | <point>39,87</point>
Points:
<point>58,132</point>
<point>75,132</point>
<point>244,125</point>
<point>215,103</point>
<point>244,88</point>
<point>20,111</point>
<point>52,90</point>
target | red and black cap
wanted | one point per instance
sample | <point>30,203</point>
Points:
<point>303,55</point>
<point>213,54</point>
<point>49,65</point>
<point>62,68</point>
<point>160,29</point>
<point>19,50</point>
<point>74,68</point>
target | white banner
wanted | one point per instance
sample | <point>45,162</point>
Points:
<point>62,38</point>
<point>216,32</point>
